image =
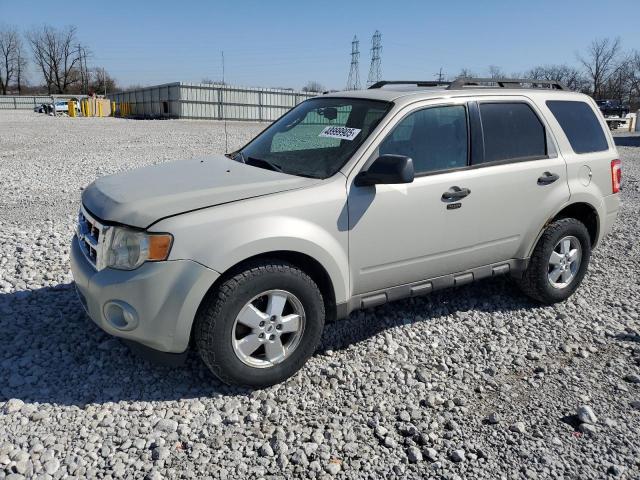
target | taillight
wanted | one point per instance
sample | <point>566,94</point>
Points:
<point>616,175</point>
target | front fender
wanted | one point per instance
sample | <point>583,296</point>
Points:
<point>312,222</point>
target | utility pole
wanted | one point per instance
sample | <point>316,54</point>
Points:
<point>375,70</point>
<point>86,71</point>
<point>353,83</point>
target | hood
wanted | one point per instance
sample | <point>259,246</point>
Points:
<point>142,196</point>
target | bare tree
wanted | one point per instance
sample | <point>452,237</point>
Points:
<point>313,86</point>
<point>101,81</point>
<point>9,47</point>
<point>496,72</point>
<point>634,81</point>
<point>55,53</point>
<point>21,66</point>
<point>571,77</point>
<point>600,61</point>
<point>465,73</point>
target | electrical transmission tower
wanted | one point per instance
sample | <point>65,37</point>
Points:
<point>354,73</point>
<point>375,71</point>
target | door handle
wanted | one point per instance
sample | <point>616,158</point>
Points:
<point>547,178</point>
<point>455,193</point>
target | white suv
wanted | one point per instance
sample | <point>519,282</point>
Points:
<point>348,201</point>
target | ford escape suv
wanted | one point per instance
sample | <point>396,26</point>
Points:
<point>348,201</point>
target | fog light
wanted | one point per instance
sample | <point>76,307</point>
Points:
<point>121,315</point>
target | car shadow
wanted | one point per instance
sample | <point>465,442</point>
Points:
<point>493,295</point>
<point>51,352</point>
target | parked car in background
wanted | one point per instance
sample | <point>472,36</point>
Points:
<point>62,106</point>
<point>348,201</point>
<point>612,108</point>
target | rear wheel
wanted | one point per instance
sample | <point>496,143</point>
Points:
<point>261,325</point>
<point>559,262</point>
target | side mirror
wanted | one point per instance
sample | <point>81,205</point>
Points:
<point>387,169</point>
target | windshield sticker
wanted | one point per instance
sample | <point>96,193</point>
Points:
<point>343,133</point>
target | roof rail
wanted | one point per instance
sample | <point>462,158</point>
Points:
<point>461,83</point>
<point>417,83</point>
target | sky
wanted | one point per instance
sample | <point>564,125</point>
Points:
<point>288,43</point>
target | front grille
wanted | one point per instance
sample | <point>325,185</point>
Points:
<point>90,235</point>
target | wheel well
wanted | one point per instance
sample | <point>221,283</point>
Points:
<point>304,262</point>
<point>584,213</point>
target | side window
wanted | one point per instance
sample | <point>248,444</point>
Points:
<point>511,131</point>
<point>580,125</point>
<point>435,138</point>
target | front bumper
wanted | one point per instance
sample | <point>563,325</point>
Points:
<point>165,297</point>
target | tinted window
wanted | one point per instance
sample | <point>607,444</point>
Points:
<point>511,131</point>
<point>580,125</point>
<point>435,138</point>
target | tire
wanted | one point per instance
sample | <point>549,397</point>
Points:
<point>536,281</point>
<point>220,330</point>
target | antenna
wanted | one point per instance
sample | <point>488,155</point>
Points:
<point>375,71</point>
<point>354,73</point>
<point>226,143</point>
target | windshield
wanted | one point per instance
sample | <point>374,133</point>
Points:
<point>316,138</point>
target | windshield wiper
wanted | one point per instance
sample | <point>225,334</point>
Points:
<point>237,156</point>
<point>266,163</point>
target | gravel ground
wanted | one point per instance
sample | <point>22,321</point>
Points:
<point>476,382</point>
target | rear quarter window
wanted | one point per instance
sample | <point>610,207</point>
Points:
<point>580,124</point>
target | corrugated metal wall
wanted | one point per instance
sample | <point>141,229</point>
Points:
<point>154,102</point>
<point>27,102</point>
<point>207,101</point>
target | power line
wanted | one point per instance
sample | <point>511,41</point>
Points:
<point>375,70</point>
<point>353,83</point>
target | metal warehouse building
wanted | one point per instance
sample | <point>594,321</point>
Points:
<point>210,101</point>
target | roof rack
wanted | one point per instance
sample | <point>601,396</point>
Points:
<point>417,83</point>
<point>461,83</point>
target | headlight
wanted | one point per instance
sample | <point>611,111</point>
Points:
<point>128,249</point>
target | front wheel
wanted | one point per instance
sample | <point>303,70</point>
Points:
<point>261,325</point>
<point>559,262</point>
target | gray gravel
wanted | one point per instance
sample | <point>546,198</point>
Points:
<point>476,382</point>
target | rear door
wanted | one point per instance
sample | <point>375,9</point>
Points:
<point>519,168</point>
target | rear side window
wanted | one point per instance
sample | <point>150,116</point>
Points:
<point>512,131</point>
<point>580,125</point>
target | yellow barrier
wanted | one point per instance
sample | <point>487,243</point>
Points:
<point>99,109</point>
<point>71,108</point>
<point>113,109</point>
